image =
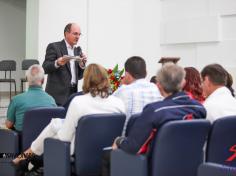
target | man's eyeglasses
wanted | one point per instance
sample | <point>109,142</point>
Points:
<point>76,33</point>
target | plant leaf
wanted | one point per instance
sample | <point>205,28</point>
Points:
<point>115,68</point>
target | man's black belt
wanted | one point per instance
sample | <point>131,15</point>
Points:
<point>73,85</point>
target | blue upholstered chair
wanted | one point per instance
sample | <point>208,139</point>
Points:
<point>221,149</point>
<point>35,120</point>
<point>93,133</point>
<point>131,122</point>
<point>9,144</point>
<point>68,101</point>
<point>213,169</point>
<point>177,150</point>
<point>221,142</point>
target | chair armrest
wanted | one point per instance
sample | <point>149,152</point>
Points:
<point>9,144</point>
<point>56,158</point>
<point>126,164</point>
<point>207,169</point>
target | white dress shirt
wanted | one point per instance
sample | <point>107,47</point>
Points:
<point>70,51</point>
<point>64,129</point>
<point>220,104</point>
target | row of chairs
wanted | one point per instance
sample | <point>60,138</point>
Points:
<point>94,132</point>
<point>13,143</point>
<point>177,148</point>
<point>7,66</point>
<point>221,151</point>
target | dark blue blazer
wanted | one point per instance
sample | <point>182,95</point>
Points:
<point>175,107</point>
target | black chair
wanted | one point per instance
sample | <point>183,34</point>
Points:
<point>8,66</point>
<point>177,150</point>
<point>26,63</point>
<point>93,133</point>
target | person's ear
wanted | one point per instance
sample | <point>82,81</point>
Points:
<point>207,81</point>
<point>128,78</point>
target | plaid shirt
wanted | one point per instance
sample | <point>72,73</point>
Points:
<point>137,95</point>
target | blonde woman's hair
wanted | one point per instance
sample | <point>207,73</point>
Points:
<point>96,81</point>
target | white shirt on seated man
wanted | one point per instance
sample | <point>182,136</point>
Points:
<point>219,100</point>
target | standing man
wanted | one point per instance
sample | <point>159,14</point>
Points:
<point>63,72</point>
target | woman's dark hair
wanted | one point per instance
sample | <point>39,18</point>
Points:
<point>229,83</point>
<point>193,83</point>
<point>153,79</point>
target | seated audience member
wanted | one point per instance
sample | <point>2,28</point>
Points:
<point>229,83</point>
<point>219,101</point>
<point>137,92</point>
<point>153,79</point>
<point>193,84</point>
<point>96,100</point>
<point>34,97</point>
<point>68,101</point>
<point>177,105</point>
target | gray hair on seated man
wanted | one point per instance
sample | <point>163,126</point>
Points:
<point>171,78</point>
<point>35,75</point>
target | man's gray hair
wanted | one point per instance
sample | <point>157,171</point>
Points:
<point>171,77</point>
<point>35,74</point>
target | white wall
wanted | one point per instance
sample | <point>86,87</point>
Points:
<point>200,32</point>
<point>12,34</point>
<point>32,21</point>
<point>122,28</point>
<point>112,31</point>
<point>54,15</point>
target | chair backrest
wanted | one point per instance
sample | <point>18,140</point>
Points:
<point>8,146</point>
<point>7,65</point>
<point>131,121</point>
<point>35,120</point>
<point>178,147</point>
<point>93,133</point>
<point>207,169</point>
<point>68,101</point>
<point>9,141</point>
<point>221,146</point>
<point>26,63</point>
